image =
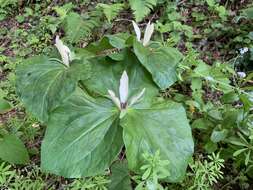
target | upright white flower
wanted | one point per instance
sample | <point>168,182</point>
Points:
<point>63,50</point>
<point>147,35</point>
<point>137,31</point>
<point>122,102</point>
<point>123,88</point>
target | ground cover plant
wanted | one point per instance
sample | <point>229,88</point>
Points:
<point>143,94</point>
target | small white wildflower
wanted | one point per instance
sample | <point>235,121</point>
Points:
<point>147,35</point>
<point>64,51</point>
<point>123,88</point>
<point>243,50</point>
<point>241,74</point>
<point>122,102</point>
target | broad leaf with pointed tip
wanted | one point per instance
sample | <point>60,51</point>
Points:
<point>13,150</point>
<point>162,126</point>
<point>43,84</point>
<point>161,62</point>
<point>120,179</point>
<point>83,137</point>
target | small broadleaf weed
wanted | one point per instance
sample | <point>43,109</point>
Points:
<point>207,173</point>
<point>154,171</point>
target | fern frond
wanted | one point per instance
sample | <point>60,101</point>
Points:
<point>141,8</point>
<point>63,10</point>
<point>77,28</point>
<point>111,11</point>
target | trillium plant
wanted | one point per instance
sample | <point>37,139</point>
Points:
<point>100,106</point>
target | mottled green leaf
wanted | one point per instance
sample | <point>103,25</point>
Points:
<point>43,84</point>
<point>161,62</point>
<point>83,137</point>
<point>164,127</point>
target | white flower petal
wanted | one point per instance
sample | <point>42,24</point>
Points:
<point>63,50</point>
<point>114,98</point>
<point>241,74</point>
<point>137,31</point>
<point>137,97</point>
<point>148,33</point>
<point>123,87</point>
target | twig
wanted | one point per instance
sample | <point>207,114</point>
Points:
<point>123,19</point>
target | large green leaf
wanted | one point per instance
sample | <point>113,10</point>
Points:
<point>83,137</point>
<point>120,178</point>
<point>13,150</point>
<point>161,62</point>
<point>163,126</point>
<point>43,84</point>
<point>106,75</point>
